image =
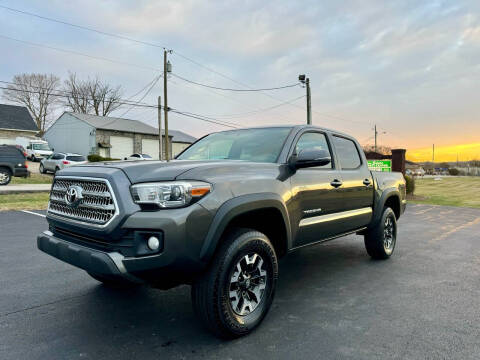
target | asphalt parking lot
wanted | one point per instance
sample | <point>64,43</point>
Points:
<point>332,301</point>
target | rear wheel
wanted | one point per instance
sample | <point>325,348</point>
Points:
<point>233,296</point>
<point>5,176</point>
<point>381,240</point>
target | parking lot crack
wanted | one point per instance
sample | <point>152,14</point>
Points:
<point>41,305</point>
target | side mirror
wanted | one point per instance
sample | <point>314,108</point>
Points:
<point>309,157</point>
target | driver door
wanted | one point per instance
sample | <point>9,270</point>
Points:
<point>315,193</point>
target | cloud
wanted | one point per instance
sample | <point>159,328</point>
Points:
<point>411,66</point>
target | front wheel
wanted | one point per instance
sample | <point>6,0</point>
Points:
<point>380,241</point>
<point>42,169</point>
<point>233,296</point>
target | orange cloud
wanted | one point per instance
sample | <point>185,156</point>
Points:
<point>464,152</point>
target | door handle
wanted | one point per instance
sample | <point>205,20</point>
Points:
<point>336,183</point>
<point>366,182</point>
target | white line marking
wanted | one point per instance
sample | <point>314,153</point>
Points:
<point>33,213</point>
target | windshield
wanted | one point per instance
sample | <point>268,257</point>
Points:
<point>41,147</point>
<point>76,158</point>
<point>257,145</point>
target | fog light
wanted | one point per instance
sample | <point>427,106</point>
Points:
<point>153,243</point>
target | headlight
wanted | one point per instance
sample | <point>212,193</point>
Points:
<point>172,194</point>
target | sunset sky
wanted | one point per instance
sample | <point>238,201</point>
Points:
<point>411,67</point>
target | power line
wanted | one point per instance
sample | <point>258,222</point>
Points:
<point>155,81</point>
<point>82,27</point>
<point>78,53</point>
<point>146,86</point>
<point>150,68</point>
<point>187,114</point>
<point>231,89</point>
<point>254,112</point>
<point>202,118</point>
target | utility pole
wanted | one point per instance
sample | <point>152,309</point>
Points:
<point>376,133</point>
<point>304,80</point>
<point>160,157</point>
<point>167,67</point>
<point>433,153</point>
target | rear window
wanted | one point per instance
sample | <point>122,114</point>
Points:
<point>11,151</point>
<point>347,153</point>
<point>75,158</point>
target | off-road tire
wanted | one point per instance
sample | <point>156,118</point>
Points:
<point>377,241</point>
<point>211,297</point>
<point>5,176</point>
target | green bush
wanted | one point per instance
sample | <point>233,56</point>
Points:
<point>453,172</point>
<point>410,180</point>
<point>98,158</point>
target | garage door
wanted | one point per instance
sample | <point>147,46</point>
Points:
<point>150,147</point>
<point>122,147</point>
<point>7,141</point>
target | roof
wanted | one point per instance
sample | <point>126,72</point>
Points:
<point>16,118</point>
<point>127,125</point>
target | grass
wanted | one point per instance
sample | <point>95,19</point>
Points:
<point>452,191</point>
<point>25,201</point>
<point>32,179</point>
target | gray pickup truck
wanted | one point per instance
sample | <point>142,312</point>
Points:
<point>220,216</point>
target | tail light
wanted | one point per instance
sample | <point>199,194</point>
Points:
<point>65,162</point>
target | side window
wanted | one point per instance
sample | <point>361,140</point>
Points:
<point>135,155</point>
<point>347,152</point>
<point>57,156</point>
<point>313,140</point>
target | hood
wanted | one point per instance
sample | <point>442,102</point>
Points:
<point>43,152</point>
<point>139,171</point>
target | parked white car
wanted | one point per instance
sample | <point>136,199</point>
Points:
<point>139,157</point>
<point>58,161</point>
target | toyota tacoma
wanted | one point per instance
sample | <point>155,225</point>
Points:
<point>220,215</point>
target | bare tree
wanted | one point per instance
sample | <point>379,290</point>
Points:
<point>37,93</point>
<point>381,149</point>
<point>91,96</point>
<point>77,94</point>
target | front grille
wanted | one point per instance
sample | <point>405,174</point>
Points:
<point>97,205</point>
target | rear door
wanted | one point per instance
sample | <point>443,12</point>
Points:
<point>357,187</point>
<point>315,200</point>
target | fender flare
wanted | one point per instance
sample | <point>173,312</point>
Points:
<point>237,206</point>
<point>380,203</point>
<point>8,166</point>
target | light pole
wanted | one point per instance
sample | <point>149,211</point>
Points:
<point>167,68</point>
<point>304,80</point>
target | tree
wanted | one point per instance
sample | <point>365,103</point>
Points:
<point>91,96</point>
<point>381,149</point>
<point>37,92</point>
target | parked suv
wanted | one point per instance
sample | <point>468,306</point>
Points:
<point>58,161</point>
<point>221,215</point>
<point>12,163</point>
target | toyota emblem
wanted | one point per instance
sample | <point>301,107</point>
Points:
<point>73,195</point>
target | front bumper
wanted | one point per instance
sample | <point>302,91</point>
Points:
<point>94,261</point>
